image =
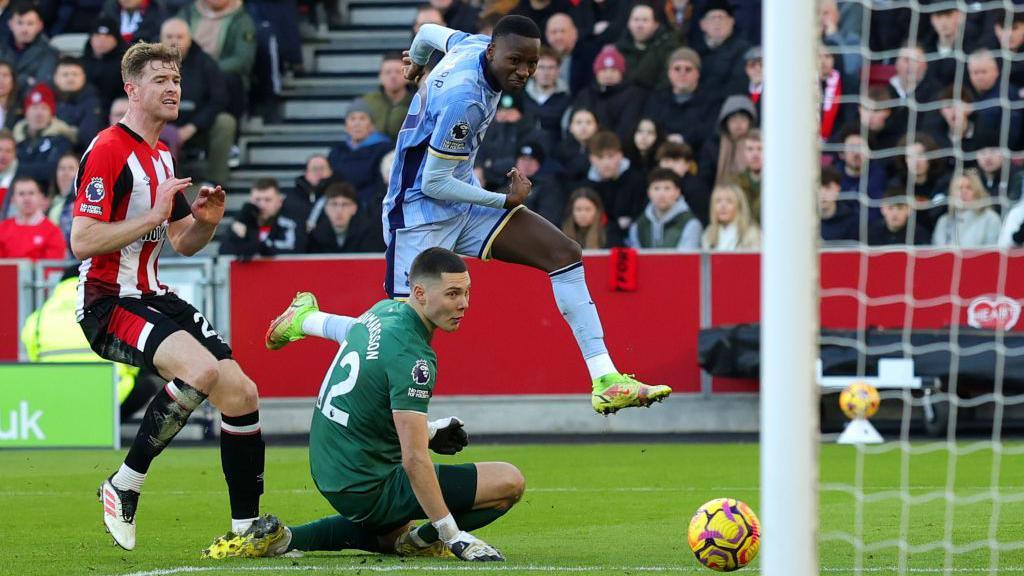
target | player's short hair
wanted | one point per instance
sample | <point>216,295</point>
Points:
<point>829,176</point>
<point>14,184</point>
<point>139,55</point>
<point>341,188</point>
<point>433,262</point>
<point>603,142</point>
<point>266,184</point>
<point>517,25</point>
<point>674,151</point>
<point>663,175</point>
<point>68,60</point>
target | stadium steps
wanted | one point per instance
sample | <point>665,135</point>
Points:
<point>381,13</point>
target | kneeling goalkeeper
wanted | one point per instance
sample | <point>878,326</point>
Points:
<point>369,434</point>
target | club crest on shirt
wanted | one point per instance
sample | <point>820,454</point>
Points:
<point>421,372</point>
<point>94,191</point>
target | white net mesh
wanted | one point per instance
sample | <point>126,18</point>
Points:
<point>943,494</point>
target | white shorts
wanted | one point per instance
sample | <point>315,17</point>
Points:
<point>470,234</point>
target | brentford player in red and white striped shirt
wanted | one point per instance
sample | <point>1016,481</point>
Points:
<point>128,203</point>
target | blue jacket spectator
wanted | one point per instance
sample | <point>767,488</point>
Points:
<point>357,157</point>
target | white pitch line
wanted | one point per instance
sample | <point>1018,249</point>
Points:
<point>536,568</point>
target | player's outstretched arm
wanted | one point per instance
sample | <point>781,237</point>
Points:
<point>190,234</point>
<point>92,237</point>
<point>429,38</point>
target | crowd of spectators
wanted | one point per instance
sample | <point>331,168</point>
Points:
<point>640,127</point>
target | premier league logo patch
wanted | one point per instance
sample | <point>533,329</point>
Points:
<point>94,191</point>
<point>460,131</point>
<point>421,372</point>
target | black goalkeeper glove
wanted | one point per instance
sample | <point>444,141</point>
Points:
<point>447,435</point>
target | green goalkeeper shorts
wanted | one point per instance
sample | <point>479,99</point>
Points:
<point>393,503</point>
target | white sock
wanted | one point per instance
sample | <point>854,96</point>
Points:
<point>313,324</point>
<point>577,307</point>
<point>127,479</point>
<point>240,526</point>
<point>330,326</point>
<point>600,365</point>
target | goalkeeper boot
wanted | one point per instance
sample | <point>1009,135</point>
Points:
<point>613,392</point>
<point>119,513</point>
<point>288,326</point>
<point>406,546</point>
<point>266,538</point>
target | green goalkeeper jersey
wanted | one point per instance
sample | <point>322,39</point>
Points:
<point>385,365</point>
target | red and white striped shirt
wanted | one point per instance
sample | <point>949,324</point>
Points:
<point>117,180</point>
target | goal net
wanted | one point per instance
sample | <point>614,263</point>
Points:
<point>922,123</point>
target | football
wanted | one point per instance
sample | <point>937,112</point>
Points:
<point>724,534</point>
<point>859,400</point>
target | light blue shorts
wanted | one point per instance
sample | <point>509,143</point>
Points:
<point>470,234</point>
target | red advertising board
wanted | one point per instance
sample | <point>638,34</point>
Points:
<point>513,339</point>
<point>9,329</point>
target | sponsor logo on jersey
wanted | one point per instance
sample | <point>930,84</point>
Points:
<point>460,131</point>
<point>94,191</point>
<point>421,372</point>
<point>156,234</point>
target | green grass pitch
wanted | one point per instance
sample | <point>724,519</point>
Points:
<point>588,509</point>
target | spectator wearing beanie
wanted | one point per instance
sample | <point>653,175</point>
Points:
<point>42,138</point>
<point>547,197</point>
<point>719,157</point>
<point>616,104</point>
<point>721,50</point>
<point>101,59</point>
<point>357,157</point>
<point>683,109</point>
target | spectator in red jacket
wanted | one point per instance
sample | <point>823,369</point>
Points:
<point>29,234</point>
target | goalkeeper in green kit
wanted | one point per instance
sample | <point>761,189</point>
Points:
<point>369,435</point>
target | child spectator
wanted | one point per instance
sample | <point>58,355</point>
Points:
<point>895,226</point>
<point>732,227</point>
<point>667,221</point>
<point>572,150</point>
<point>585,219</point>
<point>620,186</point>
<point>970,221</point>
<point>647,137</point>
<point>28,234</point>
<point>839,220</point>
<point>678,158</point>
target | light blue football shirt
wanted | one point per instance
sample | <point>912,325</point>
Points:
<point>448,117</point>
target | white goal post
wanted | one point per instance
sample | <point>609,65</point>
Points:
<point>789,291</point>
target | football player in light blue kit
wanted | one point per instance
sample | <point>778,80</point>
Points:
<point>435,200</point>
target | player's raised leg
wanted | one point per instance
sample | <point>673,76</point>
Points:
<point>192,372</point>
<point>533,241</point>
<point>303,318</point>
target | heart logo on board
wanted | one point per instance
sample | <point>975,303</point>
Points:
<point>993,312</point>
